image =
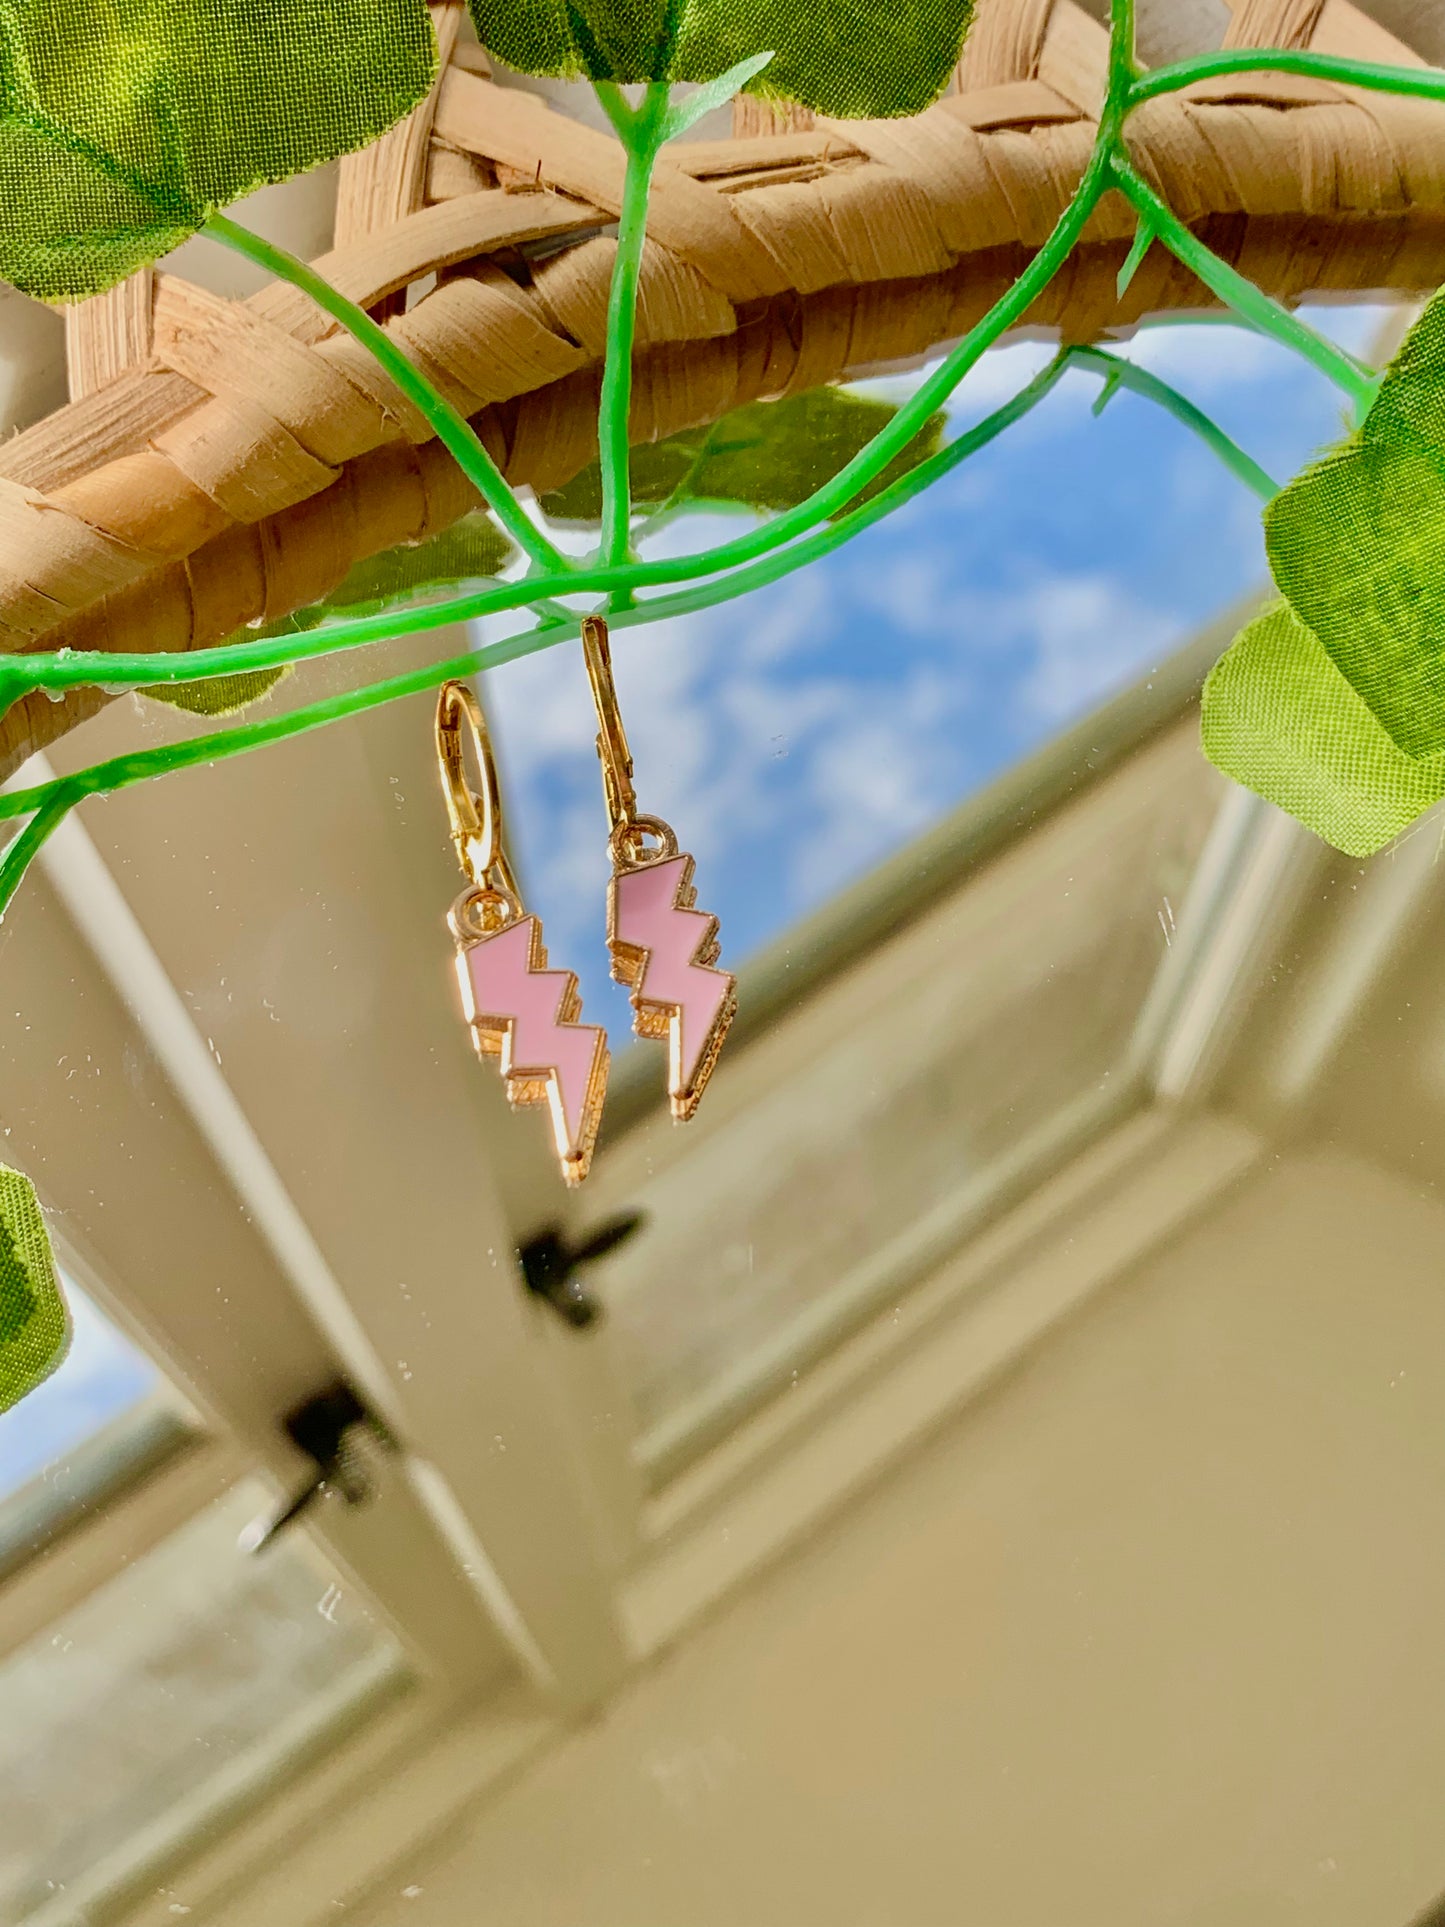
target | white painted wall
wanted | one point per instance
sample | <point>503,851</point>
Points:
<point>1153,1637</point>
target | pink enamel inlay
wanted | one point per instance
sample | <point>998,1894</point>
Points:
<point>507,988</point>
<point>647,917</point>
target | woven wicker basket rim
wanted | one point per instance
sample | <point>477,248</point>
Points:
<point>223,462</point>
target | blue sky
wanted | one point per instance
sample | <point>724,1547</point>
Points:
<point>798,736</point>
<point>102,1375</point>
<point>801,735</point>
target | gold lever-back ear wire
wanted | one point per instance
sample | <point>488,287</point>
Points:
<point>663,947</point>
<point>520,1012</point>
<point>612,750</point>
<point>475,815</point>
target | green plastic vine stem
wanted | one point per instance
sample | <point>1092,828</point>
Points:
<point>855,475</point>
<point>1267,317</point>
<point>52,801</point>
<point>1120,373</point>
<point>119,673</point>
<point>1129,89</point>
<point>452,428</point>
<point>1419,83</point>
<point>835,494</point>
<point>642,131</point>
<point>1123,61</point>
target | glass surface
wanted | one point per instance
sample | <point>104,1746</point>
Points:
<point>803,735</point>
<point>101,1377</point>
<point>186,1684</point>
<point>851,1148</point>
<point>800,735</point>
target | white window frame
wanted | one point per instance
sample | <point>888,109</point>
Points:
<point>490,1567</point>
<point>525,1583</point>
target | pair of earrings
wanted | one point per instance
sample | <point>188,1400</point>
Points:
<point>664,949</point>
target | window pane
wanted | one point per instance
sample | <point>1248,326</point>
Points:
<point>830,721</point>
<point>855,1145</point>
<point>102,1376</point>
<point>798,736</point>
<point>183,1687</point>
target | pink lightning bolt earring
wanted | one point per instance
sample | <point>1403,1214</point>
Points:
<point>519,1011</point>
<point>662,948</point>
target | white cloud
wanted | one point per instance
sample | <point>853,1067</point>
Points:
<point>911,589</point>
<point>1356,325</point>
<point>995,377</point>
<point>1204,357</point>
<point>1087,634</point>
<point>539,703</point>
<point>874,779</point>
<point>769,630</point>
<point>1211,355</point>
<point>714,702</point>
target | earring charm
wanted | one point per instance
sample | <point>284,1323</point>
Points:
<point>663,948</point>
<point>519,1011</point>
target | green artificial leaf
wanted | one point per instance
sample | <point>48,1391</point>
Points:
<point>34,1324</point>
<point>1279,717</point>
<point>472,550</point>
<point>125,123</point>
<point>657,469</point>
<point>690,108</point>
<point>217,695</point>
<point>767,456</point>
<point>858,59</point>
<point>1357,545</point>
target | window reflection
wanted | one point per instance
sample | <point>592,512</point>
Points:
<point>102,1376</point>
<point>184,1688</point>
